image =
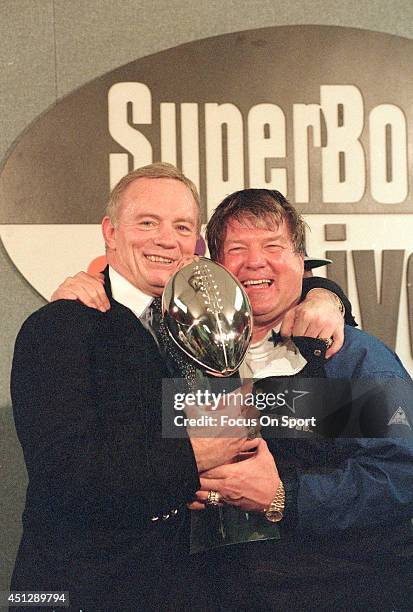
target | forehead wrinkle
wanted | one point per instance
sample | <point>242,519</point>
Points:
<point>128,209</point>
<point>269,223</point>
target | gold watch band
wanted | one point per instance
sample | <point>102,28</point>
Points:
<point>275,511</point>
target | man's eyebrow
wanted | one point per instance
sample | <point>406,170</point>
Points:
<point>147,214</point>
<point>153,215</point>
<point>278,237</point>
<point>234,241</point>
<point>185,220</point>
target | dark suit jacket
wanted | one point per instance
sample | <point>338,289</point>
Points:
<point>105,511</point>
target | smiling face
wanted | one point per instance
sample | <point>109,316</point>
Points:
<point>264,260</point>
<point>156,227</point>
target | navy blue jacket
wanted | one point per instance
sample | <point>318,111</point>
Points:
<point>362,476</point>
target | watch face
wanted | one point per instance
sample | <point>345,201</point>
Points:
<point>273,516</point>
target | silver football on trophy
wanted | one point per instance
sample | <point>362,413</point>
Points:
<point>208,315</point>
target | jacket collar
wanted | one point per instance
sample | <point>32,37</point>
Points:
<point>126,294</point>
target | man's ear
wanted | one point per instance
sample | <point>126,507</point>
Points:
<point>108,231</point>
<point>301,256</point>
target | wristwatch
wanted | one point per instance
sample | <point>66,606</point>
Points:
<point>275,511</point>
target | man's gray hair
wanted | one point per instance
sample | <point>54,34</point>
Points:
<point>152,171</point>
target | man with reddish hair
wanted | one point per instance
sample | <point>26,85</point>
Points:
<point>343,505</point>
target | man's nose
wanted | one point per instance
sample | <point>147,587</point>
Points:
<point>166,237</point>
<point>255,258</point>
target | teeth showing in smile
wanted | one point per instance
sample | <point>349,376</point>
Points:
<point>158,259</point>
<point>262,281</point>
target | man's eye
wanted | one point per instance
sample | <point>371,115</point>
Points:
<point>147,223</point>
<point>184,228</point>
<point>275,247</point>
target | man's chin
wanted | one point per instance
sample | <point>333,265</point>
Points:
<point>261,300</point>
<point>158,282</point>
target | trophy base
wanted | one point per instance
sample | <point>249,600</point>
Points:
<point>226,525</point>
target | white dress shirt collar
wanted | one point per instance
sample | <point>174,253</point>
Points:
<point>127,294</point>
